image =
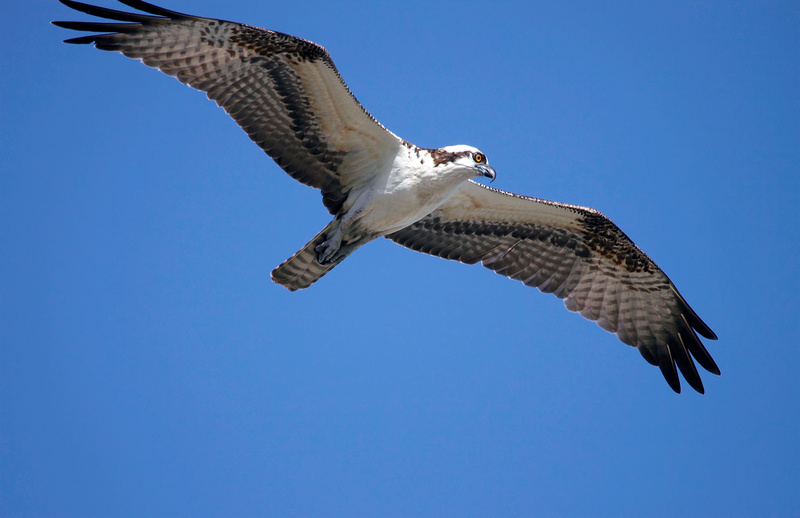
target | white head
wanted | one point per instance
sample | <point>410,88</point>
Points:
<point>467,157</point>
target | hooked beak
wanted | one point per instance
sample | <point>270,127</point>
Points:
<point>488,171</point>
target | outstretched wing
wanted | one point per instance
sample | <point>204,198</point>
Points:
<point>285,92</point>
<point>580,256</point>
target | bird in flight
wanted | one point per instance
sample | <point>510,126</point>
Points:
<point>288,96</point>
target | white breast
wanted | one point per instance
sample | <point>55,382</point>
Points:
<point>408,192</point>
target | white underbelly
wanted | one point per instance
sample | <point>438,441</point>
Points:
<point>388,212</point>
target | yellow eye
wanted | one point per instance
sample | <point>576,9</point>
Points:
<point>479,158</point>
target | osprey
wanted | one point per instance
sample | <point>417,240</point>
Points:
<point>287,94</point>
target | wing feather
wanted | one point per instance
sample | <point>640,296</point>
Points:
<point>580,256</point>
<point>285,92</point>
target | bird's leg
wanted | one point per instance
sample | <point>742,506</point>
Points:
<point>328,248</point>
<point>331,248</point>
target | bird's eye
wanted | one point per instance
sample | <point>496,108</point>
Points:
<point>479,158</point>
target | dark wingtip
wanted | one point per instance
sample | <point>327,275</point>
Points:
<point>83,40</point>
<point>112,14</point>
<point>667,365</point>
<point>154,9</point>
<point>692,318</point>
<point>698,350</point>
<point>674,384</point>
<point>684,361</point>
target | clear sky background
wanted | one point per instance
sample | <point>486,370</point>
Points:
<point>149,367</point>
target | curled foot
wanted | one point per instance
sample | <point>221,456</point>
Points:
<point>326,251</point>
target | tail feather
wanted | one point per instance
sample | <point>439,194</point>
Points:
<point>302,269</point>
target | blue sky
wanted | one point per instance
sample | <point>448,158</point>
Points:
<point>149,367</point>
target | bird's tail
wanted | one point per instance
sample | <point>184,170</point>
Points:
<point>303,269</point>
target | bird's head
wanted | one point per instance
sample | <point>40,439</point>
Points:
<point>465,158</point>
